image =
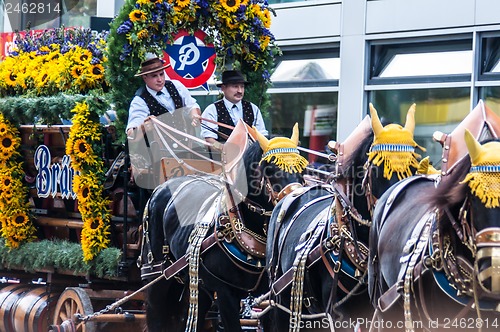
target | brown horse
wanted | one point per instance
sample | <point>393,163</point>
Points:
<point>217,226</point>
<point>317,243</point>
<point>434,250</point>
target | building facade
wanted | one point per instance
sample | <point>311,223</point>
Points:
<point>339,56</point>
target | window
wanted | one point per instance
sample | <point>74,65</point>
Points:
<point>434,74</point>
<point>421,62</point>
<point>305,90</point>
<point>489,75</point>
<point>429,64</point>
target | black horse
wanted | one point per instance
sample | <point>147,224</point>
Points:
<point>434,248</point>
<point>216,226</point>
<point>317,243</point>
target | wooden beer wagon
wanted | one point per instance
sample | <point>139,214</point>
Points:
<point>34,298</point>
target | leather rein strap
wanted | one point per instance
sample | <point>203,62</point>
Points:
<point>183,262</point>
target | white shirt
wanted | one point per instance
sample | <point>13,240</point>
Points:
<point>236,114</point>
<point>139,110</point>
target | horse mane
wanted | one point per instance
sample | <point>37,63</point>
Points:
<point>251,159</point>
<point>358,157</point>
<point>450,191</point>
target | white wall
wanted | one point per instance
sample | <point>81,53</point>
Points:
<point>354,23</point>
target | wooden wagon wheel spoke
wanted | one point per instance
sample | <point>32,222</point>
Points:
<point>73,301</point>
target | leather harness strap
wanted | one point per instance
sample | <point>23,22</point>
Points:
<point>286,279</point>
<point>183,262</point>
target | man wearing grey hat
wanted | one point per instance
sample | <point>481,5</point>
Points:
<point>161,97</point>
<point>230,109</point>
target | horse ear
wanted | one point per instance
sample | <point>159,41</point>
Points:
<point>410,118</point>
<point>473,146</point>
<point>263,141</point>
<point>295,134</point>
<point>376,124</point>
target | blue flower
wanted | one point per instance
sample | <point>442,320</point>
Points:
<point>125,27</point>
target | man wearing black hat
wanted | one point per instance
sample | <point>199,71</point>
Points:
<point>161,97</point>
<point>230,109</point>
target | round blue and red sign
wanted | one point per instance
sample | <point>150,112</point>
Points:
<point>192,61</point>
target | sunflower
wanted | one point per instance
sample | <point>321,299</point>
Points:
<point>82,149</point>
<point>19,219</point>
<point>7,143</point>
<point>265,17</point>
<point>83,193</point>
<point>97,70</point>
<point>137,15</point>
<point>182,3</point>
<point>6,194</point>
<point>143,34</point>
<point>3,128</point>
<point>10,78</point>
<point>77,71</point>
<point>84,57</point>
<point>5,181</point>
<point>231,5</point>
<point>264,42</point>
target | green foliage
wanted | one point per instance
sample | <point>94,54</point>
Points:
<point>47,110</point>
<point>59,255</point>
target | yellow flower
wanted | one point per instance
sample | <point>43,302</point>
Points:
<point>183,3</point>
<point>85,56</point>
<point>231,5</point>
<point>10,78</point>
<point>143,34</point>
<point>265,17</point>
<point>5,181</point>
<point>3,128</point>
<point>77,71</point>
<point>19,219</point>
<point>137,15</point>
<point>7,143</point>
<point>82,149</point>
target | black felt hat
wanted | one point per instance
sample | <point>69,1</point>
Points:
<point>231,77</point>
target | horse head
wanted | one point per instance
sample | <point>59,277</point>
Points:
<point>279,170</point>
<point>394,147</point>
<point>483,181</point>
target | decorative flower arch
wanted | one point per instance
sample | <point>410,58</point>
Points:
<point>238,29</point>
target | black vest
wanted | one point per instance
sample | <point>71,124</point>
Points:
<point>175,120</point>
<point>223,116</point>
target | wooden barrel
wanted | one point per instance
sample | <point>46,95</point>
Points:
<point>33,309</point>
<point>9,296</point>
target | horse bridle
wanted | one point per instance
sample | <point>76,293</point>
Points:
<point>275,197</point>
<point>371,200</point>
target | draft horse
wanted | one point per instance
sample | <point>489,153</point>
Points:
<point>318,236</point>
<point>207,234</point>
<point>434,250</point>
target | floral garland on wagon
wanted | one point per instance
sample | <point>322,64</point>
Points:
<point>14,206</point>
<point>83,146</point>
<point>54,61</point>
<point>238,29</point>
<point>42,79</point>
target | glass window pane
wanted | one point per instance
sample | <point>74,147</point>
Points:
<point>425,64</point>
<point>491,98</point>
<point>437,109</point>
<point>496,68</point>
<point>309,69</point>
<point>79,14</point>
<point>302,107</point>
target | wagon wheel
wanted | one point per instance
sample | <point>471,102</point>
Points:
<point>72,301</point>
